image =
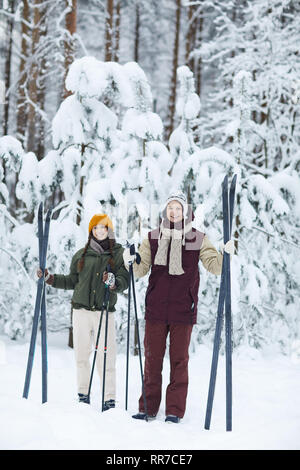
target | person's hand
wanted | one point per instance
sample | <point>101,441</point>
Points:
<point>48,277</point>
<point>229,247</point>
<point>40,273</point>
<point>109,279</point>
<point>128,258</point>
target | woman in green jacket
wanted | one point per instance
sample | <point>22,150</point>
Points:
<point>88,276</point>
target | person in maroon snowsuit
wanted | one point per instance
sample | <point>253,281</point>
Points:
<point>172,251</point>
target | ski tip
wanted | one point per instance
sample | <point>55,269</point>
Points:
<point>225,180</point>
<point>225,183</point>
<point>233,184</point>
<point>41,209</point>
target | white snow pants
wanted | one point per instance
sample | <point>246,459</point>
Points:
<point>85,330</point>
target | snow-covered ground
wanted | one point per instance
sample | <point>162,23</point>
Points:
<point>266,405</point>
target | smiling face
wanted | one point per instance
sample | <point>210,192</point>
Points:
<point>174,211</point>
<point>100,232</point>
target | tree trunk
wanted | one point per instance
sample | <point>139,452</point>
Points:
<point>40,144</point>
<point>190,37</point>
<point>22,108</point>
<point>69,45</point>
<point>78,220</point>
<point>117,31</point>
<point>7,73</point>
<point>137,32</point>
<point>109,30</point>
<point>193,41</point>
<point>172,100</point>
<point>198,65</point>
<point>41,91</point>
<point>33,81</point>
<point>71,24</point>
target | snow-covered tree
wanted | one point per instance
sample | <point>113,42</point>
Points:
<point>257,125</point>
<point>17,287</point>
<point>141,161</point>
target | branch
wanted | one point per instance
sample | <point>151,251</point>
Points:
<point>273,235</point>
<point>18,262</point>
<point>7,214</point>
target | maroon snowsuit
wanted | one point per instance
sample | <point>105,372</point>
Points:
<point>171,307</point>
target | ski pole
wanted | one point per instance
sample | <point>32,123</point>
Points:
<point>128,335</point>
<point>95,355</point>
<point>104,357</point>
<point>138,260</point>
<point>105,338</point>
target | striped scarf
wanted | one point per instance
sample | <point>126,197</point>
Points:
<point>177,238</point>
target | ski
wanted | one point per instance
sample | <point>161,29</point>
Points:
<point>40,308</point>
<point>218,330</point>
<point>224,299</point>
<point>43,312</point>
<point>228,319</point>
<point>36,310</point>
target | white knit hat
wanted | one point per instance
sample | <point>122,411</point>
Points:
<point>179,197</point>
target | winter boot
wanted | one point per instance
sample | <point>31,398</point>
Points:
<point>83,398</point>
<point>172,419</point>
<point>109,404</point>
<point>144,416</point>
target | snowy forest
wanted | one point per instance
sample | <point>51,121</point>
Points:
<point>109,105</point>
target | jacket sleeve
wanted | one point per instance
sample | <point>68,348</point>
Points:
<point>211,258</point>
<point>121,279</point>
<point>68,281</point>
<point>142,269</point>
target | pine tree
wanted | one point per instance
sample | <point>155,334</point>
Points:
<point>172,99</point>
<point>71,19</point>
<point>255,122</point>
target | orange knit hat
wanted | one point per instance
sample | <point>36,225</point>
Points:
<point>100,218</point>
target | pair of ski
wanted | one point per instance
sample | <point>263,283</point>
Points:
<point>40,308</point>
<point>40,312</point>
<point>224,300</point>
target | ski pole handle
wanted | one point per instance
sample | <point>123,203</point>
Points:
<point>109,277</point>
<point>133,252</point>
<point>110,280</point>
<point>107,288</point>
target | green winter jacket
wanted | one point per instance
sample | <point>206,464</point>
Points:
<point>88,286</point>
